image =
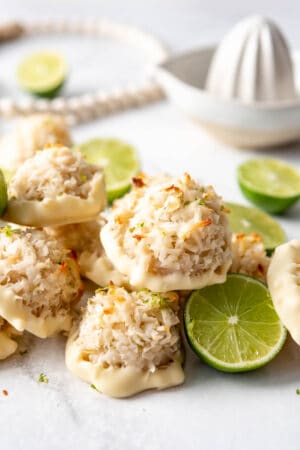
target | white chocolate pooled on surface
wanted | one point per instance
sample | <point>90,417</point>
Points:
<point>253,64</point>
<point>31,134</point>
<point>39,280</point>
<point>249,256</point>
<point>84,239</point>
<point>169,234</point>
<point>127,342</point>
<point>284,284</point>
<point>55,187</point>
<point>8,344</point>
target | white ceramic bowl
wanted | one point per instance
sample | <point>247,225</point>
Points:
<point>236,123</point>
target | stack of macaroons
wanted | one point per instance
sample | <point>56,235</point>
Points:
<point>166,235</point>
<point>40,280</point>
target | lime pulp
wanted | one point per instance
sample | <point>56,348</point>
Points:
<point>243,219</point>
<point>233,326</point>
<point>119,161</point>
<point>270,184</point>
<point>42,73</point>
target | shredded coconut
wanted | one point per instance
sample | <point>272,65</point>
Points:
<point>169,225</point>
<point>81,237</point>
<point>33,133</point>
<point>138,329</point>
<point>249,256</point>
<point>39,270</point>
<point>53,172</point>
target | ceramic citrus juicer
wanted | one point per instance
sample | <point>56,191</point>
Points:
<point>243,91</point>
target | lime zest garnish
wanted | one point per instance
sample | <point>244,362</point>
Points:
<point>43,378</point>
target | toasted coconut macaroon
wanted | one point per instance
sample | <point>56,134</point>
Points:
<point>127,342</point>
<point>249,256</point>
<point>55,187</point>
<point>84,239</point>
<point>169,234</point>
<point>8,334</point>
<point>284,284</point>
<point>39,280</point>
<point>33,133</point>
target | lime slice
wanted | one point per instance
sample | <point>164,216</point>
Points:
<point>233,326</point>
<point>8,174</point>
<point>119,161</point>
<point>251,220</point>
<point>3,193</point>
<point>270,184</point>
<point>42,73</point>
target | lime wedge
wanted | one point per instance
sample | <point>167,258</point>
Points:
<point>8,174</point>
<point>42,73</point>
<point>119,161</point>
<point>3,193</point>
<point>251,220</point>
<point>269,183</point>
<point>233,326</point>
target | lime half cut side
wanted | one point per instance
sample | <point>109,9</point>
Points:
<point>233,326</point>
<point>270,184</point>
<point>119,161</point>
<point>42,73</point>
<point>3,193</point>
<point>243,219</point>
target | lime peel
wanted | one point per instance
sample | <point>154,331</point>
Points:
<point>233,326</point>
<point>42,73</point>
<point>120,160</point>
<point>270,184</point>
<point>243,219</point>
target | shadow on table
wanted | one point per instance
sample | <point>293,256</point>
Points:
<point>283,370</point>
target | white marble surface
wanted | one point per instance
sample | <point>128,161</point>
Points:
<point>255,411</point>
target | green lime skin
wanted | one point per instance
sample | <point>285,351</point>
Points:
<point>3,193</point>
<point>119,161</point>
<point>270,184</point>
<point>233,326</point>
<point>42,74</point>
<point>244,219</point>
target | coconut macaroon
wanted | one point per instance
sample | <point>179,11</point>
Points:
<point>84,239</point>
<point>284,284</point>
<point>126,342</point>
<point>169,234</point>
<point>249,256</point>
<point>39,280</point>
<point>31,134</point>
<point>8,344</point>
<point>55,187</point>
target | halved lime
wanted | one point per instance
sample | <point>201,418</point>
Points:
<point>42,73</point>
<point>8,174</point>
<point>243,219</point>
<point>269,183</point>
<point>3,193</point>
<point>119,161</point>
<point>233,326</point>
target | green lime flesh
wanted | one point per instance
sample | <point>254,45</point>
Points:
<point>243,219</point>
<point>233,326</point>
<point>270,184</point>
<point>119,161</point>
<point>3,193</point>
<point>42,73</point>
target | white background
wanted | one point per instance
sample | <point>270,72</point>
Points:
<point>254,411</point>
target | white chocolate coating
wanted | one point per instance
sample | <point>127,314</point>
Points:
<point>60,211</point>
<point>124,381</point>
<point>14,312</point>
<point>284,283</point>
